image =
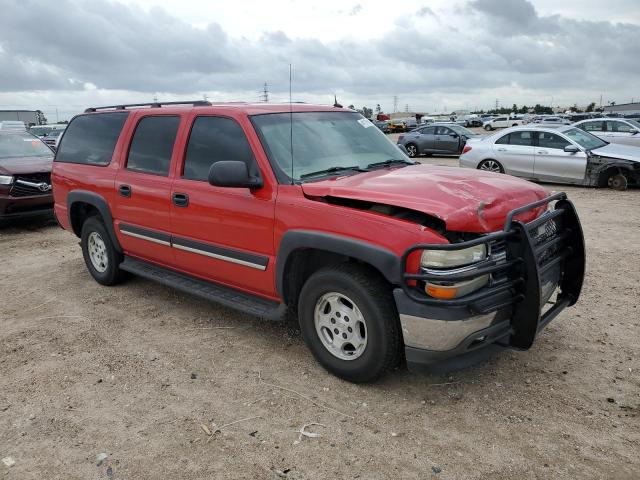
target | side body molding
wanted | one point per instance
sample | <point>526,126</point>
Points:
<point>387,262</point>
<point>100,204</point>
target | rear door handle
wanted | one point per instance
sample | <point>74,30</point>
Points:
<point>124,190</point>
<point>543,152</point>
<point>180,199</point>
<point>502,149</point>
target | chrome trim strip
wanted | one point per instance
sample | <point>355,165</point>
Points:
<point>144,237</point>
<point>220,257</point>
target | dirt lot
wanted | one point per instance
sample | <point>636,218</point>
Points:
<point>135,370</point>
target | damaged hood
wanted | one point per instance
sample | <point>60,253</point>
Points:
<point>466,200</point>
<point>622,152</point>
<point>21,165</point>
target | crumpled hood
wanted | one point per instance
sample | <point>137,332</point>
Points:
<point>466,200</point>
<point>614,150</point>
<point>23,165</point>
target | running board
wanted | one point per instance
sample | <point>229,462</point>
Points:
<point>229,297</point>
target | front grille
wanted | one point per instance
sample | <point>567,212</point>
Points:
<point>19,190</point>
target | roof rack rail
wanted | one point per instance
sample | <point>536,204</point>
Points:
<point>195,103</point>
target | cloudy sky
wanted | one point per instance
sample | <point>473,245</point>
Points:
<point>434,55</point>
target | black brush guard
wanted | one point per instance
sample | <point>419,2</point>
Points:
<point>529,258</point>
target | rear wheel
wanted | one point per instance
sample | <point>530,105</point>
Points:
<point>412,150</point>
<point>100,256</point>
<point>349,321</point>
<point>488,128</point>
<point>491,166</point>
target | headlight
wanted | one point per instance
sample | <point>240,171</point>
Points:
<point>6,179</point>
<point>453,258</point>
<point>449,259</point>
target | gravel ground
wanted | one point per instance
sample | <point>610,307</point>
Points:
<point>134,372</point>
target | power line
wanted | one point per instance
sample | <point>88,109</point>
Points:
<point>264,96</point>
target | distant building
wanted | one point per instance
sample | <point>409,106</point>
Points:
<point>29,117</point>
<point>623,108</point>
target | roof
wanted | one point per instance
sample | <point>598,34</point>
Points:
<point>247,108</point>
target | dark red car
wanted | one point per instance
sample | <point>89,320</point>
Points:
<point>25,175</point>
<point>310,213</point>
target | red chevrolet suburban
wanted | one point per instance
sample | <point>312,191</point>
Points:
<point>309,212</point>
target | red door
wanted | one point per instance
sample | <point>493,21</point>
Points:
<point>222,234</point>
<point>143,189</point>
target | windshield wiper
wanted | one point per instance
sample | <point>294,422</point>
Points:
<point>391,161</point>
<point>331,170</point>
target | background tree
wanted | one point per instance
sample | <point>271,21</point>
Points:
<point>351,107</point>
<point>591,107</point>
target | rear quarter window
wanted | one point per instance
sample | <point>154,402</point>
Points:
<point>91,139</point>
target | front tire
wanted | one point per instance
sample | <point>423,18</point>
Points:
<point>488,128</point>
<point>348,319</point>
<point>412,150</point>
<point>100,255</point>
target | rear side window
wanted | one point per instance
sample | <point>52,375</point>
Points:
<point>592,126</point>
<point>214,139</point>
<point>618,127</point>
<point>152,145</point>
<point>520,138</point>
<point>90,139</point>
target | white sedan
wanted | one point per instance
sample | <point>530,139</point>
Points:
<point>560,155</point>
<point>613,130</point>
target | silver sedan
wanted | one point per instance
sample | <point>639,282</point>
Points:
<point>613,130</point>
<point>560,155</point>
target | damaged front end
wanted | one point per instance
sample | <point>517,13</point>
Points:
<point>616,173</point>
<point>531,272</point>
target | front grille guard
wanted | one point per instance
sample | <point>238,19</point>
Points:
<point>527,261</point>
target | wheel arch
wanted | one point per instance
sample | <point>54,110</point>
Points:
<point>82,204</point>
<point>302,252</point>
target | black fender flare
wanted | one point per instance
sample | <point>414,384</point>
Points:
<point>385,261</point>
<point>100,204</point>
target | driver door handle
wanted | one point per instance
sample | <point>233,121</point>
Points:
<point>180,199</point>
<point>502,149</point>
<point>124,190</point>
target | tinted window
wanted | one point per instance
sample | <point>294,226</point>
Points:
<point>503,140</point>
<point>619,127</point>
<point>520,138</point>
<point>551,140</point>
<point>152,145</point>
<point>428,130</point>
<point>593,126</point>
<point>443,131</point>
<point>91,138</point>
<point>214,139</point>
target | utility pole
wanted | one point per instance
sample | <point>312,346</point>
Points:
<point>600,100</point>
<point>395,103</point>
<point>155,99</point>
<point>57,119</point>
<point>264,96</point>
<point>205,97</point>
<point>406,108</point>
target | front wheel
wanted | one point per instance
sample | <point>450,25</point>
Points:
<point>412,150</point>
<point>491,166</point>
<point>488,128</point>
<point>348,319</point>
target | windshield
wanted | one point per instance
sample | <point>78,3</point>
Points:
<point>22,145</point>
<point>322,140</point>
<point>584,139</point>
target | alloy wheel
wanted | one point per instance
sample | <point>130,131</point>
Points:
<point>490,166</point>
<point>340,325</point>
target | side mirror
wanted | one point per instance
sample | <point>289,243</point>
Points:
<point>232,174</point>
<point>571,149</point>
<point>635,132</point>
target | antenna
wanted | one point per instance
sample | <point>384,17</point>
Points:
<point>291,124</point>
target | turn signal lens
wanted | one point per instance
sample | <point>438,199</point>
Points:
<point>455,290</point>
<point>466,149</point>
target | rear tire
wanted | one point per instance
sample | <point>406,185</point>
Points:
<point>488,128</point>
<point>100,255</point>
<point>360,348</point>
<point>412,150</point>
<point>491,166</point>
